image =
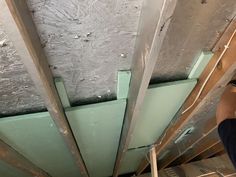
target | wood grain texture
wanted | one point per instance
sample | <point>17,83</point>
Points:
<point>16,160</point>
<point>220,77</point>
<point>214,150</point>
<point>153,161</point>
<point>20,27</point>
<point>195,140</point>
<point>213,167</point>
<point>154,22</point>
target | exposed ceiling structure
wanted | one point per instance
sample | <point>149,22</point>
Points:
<point>124,81</point>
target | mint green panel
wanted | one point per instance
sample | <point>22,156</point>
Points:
<point>132,160</point>
<point>200,65</point>
<point>36,137</point>
<point>8,171</point>
<point>123,82</point>
<point>97,130</point>
<point>161,103</point>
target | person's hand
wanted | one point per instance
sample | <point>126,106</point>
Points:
<point>226,108</point>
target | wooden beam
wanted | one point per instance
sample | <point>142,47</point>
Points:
<point>154,22</point>
<point>153,161</point>
<point>194,152</point>
<point>22,31</point>
<point>16,160</point>
<point>210,152</point>
<point>223,152</point>
<point>220,77</point>
<point>202,141</point>
<point>213,167</point>
<point>196,139</point>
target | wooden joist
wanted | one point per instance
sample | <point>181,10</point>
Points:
<point>153,161</point>
<point>217,148</point>
<point>220,77</point>
<point>21,29</point>
<point>154,22</point>
<point>213,167</point>
<point>197,140</point>
<point>16,160</point>
<point>194,152</point>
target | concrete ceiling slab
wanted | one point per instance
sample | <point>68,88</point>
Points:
<point>17,91</point>
<point>195,26</point>
<point>87,42</point>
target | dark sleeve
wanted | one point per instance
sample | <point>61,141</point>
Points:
<point>227,132</point>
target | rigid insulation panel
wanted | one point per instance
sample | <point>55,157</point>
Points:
<point>97,129</point>
<point>8,171</point>
<point>36,137</point>
<point>161,103</point>
<point>132,159</point>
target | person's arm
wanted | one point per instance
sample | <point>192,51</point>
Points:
<point>227,106</point>
<point>226,120</point>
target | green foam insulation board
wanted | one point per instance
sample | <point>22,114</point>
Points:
<point>123,84</point>
<point>62,92</point>
<point>8,171</point>
<point>36,137</point>
<point>132,160</point>
<point>161,103</point>
<point>200,65</point>
<point>97,129</point>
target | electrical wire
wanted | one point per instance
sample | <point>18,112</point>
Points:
<point>209,75</point>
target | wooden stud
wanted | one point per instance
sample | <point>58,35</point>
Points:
<point>217,148</point>
<point>16,160</point>
<point>201,148</point>
<point>154,23</point>
<point>220,77</point>
<point>153,161</point>
<point>196,140</point>
<point>21,29</point>
<point>214,167</point>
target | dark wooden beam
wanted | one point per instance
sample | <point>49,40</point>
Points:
<point>223,152</point>
<point>21,30</point>
<point>203,141</point>
<point>154,22</point>
<point>194,152</point>
<point>210,152</point>
<point>16,160</point>
<point>213,167</point>
<point>220,77</point>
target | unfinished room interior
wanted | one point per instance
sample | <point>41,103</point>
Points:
<point>114,88</point>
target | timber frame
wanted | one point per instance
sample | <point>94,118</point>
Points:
<point>220,77</point>
<point>20,27</point>
<point>153,25</point>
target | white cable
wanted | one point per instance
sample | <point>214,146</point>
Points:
<point>209,75</point>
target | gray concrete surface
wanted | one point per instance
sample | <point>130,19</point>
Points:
<point>87,42</point>
<point>17,92</point>
<point>196,25</point>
